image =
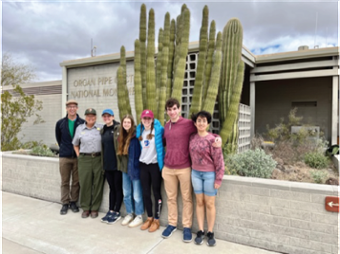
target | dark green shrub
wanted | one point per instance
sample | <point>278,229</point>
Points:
<point>316,160</point>
<point>252,163</point>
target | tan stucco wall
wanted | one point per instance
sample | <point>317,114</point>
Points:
<point>44,132</point>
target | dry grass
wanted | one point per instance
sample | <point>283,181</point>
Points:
<point>300,172</point>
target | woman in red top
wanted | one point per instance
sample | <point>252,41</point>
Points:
<point>207,173</point>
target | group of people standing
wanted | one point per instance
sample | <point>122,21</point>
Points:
<point>134,162</point>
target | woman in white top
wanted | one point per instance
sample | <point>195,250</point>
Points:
<point>150,134</point>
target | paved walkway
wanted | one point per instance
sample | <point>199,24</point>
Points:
<point>32,226</point>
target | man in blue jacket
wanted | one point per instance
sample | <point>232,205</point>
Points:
<point>68,163</point>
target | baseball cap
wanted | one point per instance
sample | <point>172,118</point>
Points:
<point>71,102</point>
<point>147,113</point>
<point>90,111</point>
<point>108,111</point>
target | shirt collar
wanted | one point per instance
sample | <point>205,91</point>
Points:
<point>94,126</point>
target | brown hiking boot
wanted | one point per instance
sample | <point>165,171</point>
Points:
<point>147,223</point>
<point>154,226</point>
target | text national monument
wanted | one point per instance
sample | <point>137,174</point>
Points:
<point>98,87</point>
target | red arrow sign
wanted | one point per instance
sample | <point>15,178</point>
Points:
<point>332,204</point>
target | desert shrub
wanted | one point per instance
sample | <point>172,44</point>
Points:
<point>282,131</point>
<point>228,169</point>
<point>31,144</point>
<point>318,176</point>
<point>256,142</point>
<point>42,150</point>
<point>285,150</point>
<point>316,160</point>
<point>252,163</point>
<point>292,147</point>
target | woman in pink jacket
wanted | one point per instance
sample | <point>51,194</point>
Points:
<point>206,175</point>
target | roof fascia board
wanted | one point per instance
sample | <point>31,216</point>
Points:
<point>295,55</point>
<point>296,66</point>
<point>294,75</point>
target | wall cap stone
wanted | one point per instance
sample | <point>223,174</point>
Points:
<point>229,179</point>
<point>9,154</point>
<point>283,185</point>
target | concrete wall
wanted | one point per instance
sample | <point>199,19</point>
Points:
<point>274,101</point>
<point>281,216</point>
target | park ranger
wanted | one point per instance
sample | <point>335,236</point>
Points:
<point>87,145</point>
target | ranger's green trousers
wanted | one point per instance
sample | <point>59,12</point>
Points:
<point>91,182</point>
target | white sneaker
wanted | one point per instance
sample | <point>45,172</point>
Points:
<point>127,219</point>
<point>136,222</point>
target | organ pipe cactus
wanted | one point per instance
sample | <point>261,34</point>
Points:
<point>203,43</point>
<point>232,113</point>
<point>183,51</point>
<point>231,79</point>
<point>150,64</point>
<point>178,42</point>
<point>209,62</point>
<point>142,39</point>
<point>212,90</point>
<point>124,87</point>
<point>232,52</point>
<point>121,97</point>
<point>164,71</point>
<point>138,82</point>
<point>171,57</point>
<point>159,64</point>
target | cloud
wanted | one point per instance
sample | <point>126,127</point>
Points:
<point>43,34</point>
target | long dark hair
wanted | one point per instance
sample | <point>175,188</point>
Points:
<point>125,136</point>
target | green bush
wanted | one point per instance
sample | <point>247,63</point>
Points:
<point>316,160</point>
<point>252,163</point>
<point>227,162</point>
<point>318,176</point>
<point>42,151</point>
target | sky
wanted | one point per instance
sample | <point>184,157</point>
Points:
<point>43,34</point>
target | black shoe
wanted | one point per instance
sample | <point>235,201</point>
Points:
<point>199,238</point>
<point>211,239</point>
<point>74,207</point>
<point>64,209</point>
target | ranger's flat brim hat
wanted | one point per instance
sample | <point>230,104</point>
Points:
<point>90,111</point>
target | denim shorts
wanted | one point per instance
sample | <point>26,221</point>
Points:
<point>203,182</point>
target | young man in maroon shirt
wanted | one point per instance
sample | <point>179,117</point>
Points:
<point>177,168</point>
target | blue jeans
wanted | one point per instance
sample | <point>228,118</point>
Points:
<point>133,196</point>
<point>203,182</point>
